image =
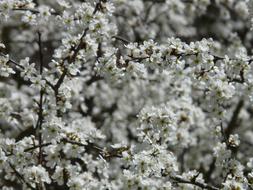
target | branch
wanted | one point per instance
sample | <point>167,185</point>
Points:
<point>12,61</point>
<point>21,177</point>
<point>232,125</point>
<point>211,169</point>
<point>116,152</point>
<point>72,58</point>
<point>40,113</point>
<point>163,1</point>
<point>179,179</point>
<point>34,11</point>
<point>121,39</point>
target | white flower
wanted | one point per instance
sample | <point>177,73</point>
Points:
<point>221,153</point>
<point>5,69</point>
<point>250,178</point>
<point>45,12</point>
<point>29,18</point>
<point>6,6</point>
<point>3,158</point>
<point>2,46</point>
<point>53,156</point>
<point>242,9</point>
<point>64,4</point>
<point>76,183</point>
<point>232,184</point>
<point>38,82</point>
<point>52,128</point>
<point>37,174</point>
<point>58,175</point>
<point>250,163</point>
<point>29,69</point>
<point>67,19</point>
<point>234,140</point>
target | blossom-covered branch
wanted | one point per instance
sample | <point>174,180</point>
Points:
<point>126,94</point>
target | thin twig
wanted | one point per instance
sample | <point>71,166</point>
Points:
<point>121,39</point>
<point>72,58</point>
<point>34,11</point>
<point>232,125</point>
<point>40,113</point>
<point>179,179</point>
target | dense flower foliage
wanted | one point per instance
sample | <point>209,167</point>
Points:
<point>126,94</point>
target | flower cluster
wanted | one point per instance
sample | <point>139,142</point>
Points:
<point>126,94</point>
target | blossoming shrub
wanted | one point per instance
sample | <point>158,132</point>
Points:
<point>126,94</point>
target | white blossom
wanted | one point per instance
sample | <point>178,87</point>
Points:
<point>126,94</point>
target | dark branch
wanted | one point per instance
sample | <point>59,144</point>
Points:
<point>194,182</point>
